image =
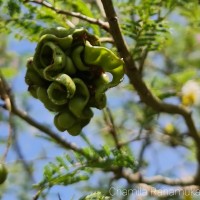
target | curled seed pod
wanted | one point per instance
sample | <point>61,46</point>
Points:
<point>67,121</point>
<point>64,120</point>
<point>59,32</point>
<point>80,98</point>
<point>69,68</point>
<point>103,57</point>
<point>52,58</point>
<point>57,94</point>
<point>31,77</point>
<point>61,90</point>
<point>63,42</point>
<point>67,83</point>
<point>75,130</point>
<point>43,97</point>
<point>100,88</point>
<point>3,173</point>
<point>81,35</point>
<point>33,90</point>
<point>76,57</point>
<point>109,62</point>
<point>48,52</point>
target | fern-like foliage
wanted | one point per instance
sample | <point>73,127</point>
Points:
<point>145,24</point>
<point>67,169</point>
<point>95,196</point>
<point>26,20</point>
<point>19,19</point>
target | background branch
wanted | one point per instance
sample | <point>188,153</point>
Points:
<point>111,126</point>
<point>100,23</point>
<point>138,178</point>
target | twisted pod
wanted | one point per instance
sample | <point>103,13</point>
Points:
<point>68,74</point>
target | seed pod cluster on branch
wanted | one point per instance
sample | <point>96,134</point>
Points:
<point>69,74</point>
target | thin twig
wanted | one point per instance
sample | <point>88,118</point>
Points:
<point>25,164</point>
<point>141,65</point>
<point>9,140</point>
<point>106,40</point>
<point>4,93</point>
<point>91,20</point>
<point>7,105</point>
<point>145,144</point>
<point>138,178</point>
<point>100,6</point>
<point>37,195</point>
<point>111,126</point>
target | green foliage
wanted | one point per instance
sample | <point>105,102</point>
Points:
<point>67,170</point>
<point>144,23</point>
<point>95,196</point>
<point>8,60</point>
<point>27,20</point>
<point>13,7</point>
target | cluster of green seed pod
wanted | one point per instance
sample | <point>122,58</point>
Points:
<point>68,74</point>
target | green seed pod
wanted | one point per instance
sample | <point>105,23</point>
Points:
<point>81,35</point>
<point>69,68</point>
<point>68,83</point>
<point>43,97</point>
<point>3,173</point>
<point>77,58</point>
<point>75,130</point>
<point>52,58</point>
<point>80,98</point>
<point>33,90</point>
<point>57,94</point>
<point>107,60</point>
<point>65,120</point>
<point>100,88</point>
<point>31,77</point>
<point>50,53</point>
<point>64,42</point>
<point>61,90</point>
<point>59,32</point>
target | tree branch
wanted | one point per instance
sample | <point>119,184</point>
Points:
<point>138,178</point>
<point>91,20</point>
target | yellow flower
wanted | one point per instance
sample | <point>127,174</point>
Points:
<point>190,93</point>
<point>169,129</point>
